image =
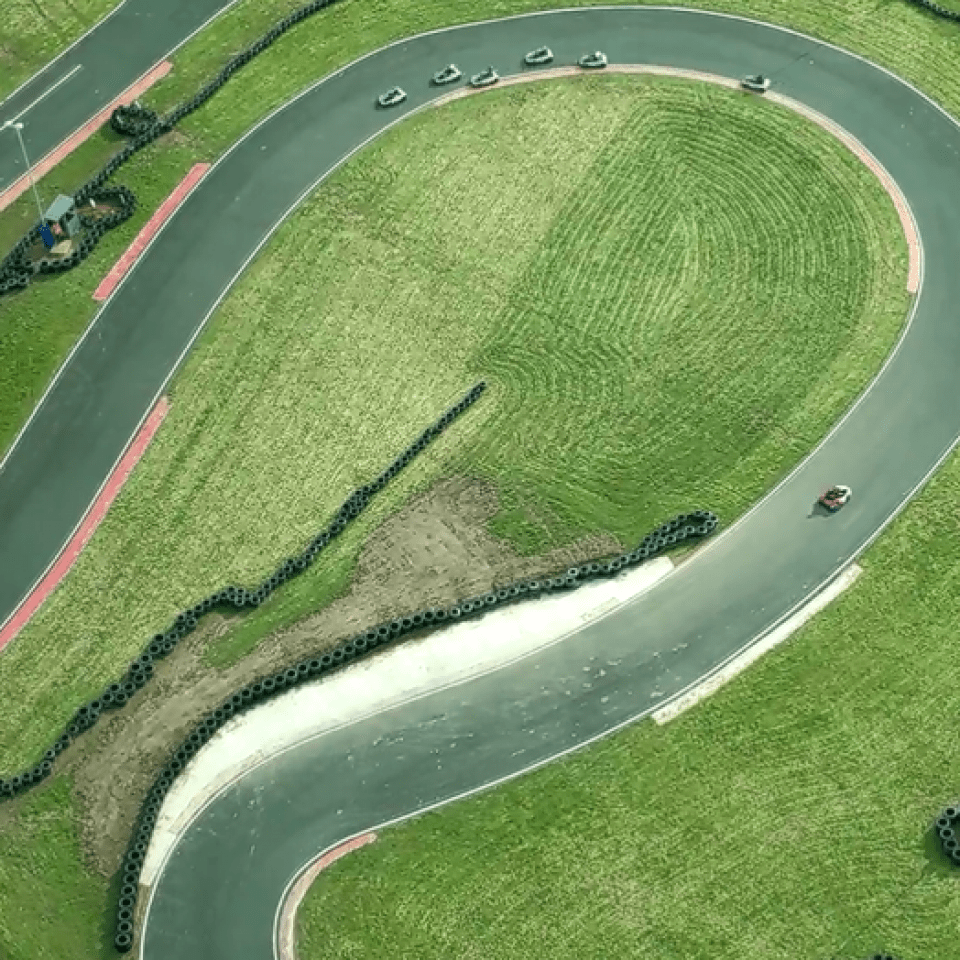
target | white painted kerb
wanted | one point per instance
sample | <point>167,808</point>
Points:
<point>740,663</point>
<point>393,676</point>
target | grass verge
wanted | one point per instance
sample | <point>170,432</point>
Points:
<point>788,816</point>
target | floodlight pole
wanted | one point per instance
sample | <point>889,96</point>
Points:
<point>18,127</point>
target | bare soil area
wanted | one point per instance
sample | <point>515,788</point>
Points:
<point>432,552</point>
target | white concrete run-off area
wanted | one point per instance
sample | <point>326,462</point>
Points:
<point>390,677</point>
<point>409,670</point>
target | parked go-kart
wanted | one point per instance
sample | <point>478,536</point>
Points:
<point>392,97</point>
<point>536,57</point>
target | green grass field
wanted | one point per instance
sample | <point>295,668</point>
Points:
<point>41,860</point>
<point>786,818</point>
<point>34,33</point>
<point>680,336</point>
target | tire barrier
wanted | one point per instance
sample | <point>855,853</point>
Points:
<point>937,10</point>
<point>18,267</point>
<point>143,126</point>
<point>947,828</point>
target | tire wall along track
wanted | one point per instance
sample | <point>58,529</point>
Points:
<point>698,524</point>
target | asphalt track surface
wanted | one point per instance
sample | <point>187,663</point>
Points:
<point>219,892</point>
<point>112,55</point>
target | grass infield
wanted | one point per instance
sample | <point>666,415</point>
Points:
<point>679,334</point>
<point>786,818</point>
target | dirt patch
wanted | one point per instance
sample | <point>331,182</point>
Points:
<point>432,552</point>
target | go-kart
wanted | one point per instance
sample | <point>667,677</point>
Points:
<point>539,56</point>
<point>392,97</point>
<point>484,78</point>
<point>449,74</point>
<point>757,82</point>
<point>593,60</point>
<point>834,498</point>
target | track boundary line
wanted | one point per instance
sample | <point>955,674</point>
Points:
<point>296,890</point>
<point>141,241</point>
<point>83,133</point>
<point>68,556</point>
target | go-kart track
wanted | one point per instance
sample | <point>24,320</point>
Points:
<point>219,892</point>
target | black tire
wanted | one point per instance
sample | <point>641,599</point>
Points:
<point>122,942</point>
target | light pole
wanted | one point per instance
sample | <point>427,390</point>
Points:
<point>18,127</point>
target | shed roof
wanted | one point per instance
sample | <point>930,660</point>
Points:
<point>59,207</point>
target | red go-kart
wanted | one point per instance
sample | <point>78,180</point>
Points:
<point>835,498</point>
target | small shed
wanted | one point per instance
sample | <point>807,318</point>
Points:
<point>62,213</point>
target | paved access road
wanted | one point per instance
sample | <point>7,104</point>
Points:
<point>116,52</point>
<point>218,895</point>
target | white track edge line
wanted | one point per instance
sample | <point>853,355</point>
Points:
<point>43,96</point>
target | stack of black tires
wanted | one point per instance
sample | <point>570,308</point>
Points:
<point>935,8</point>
